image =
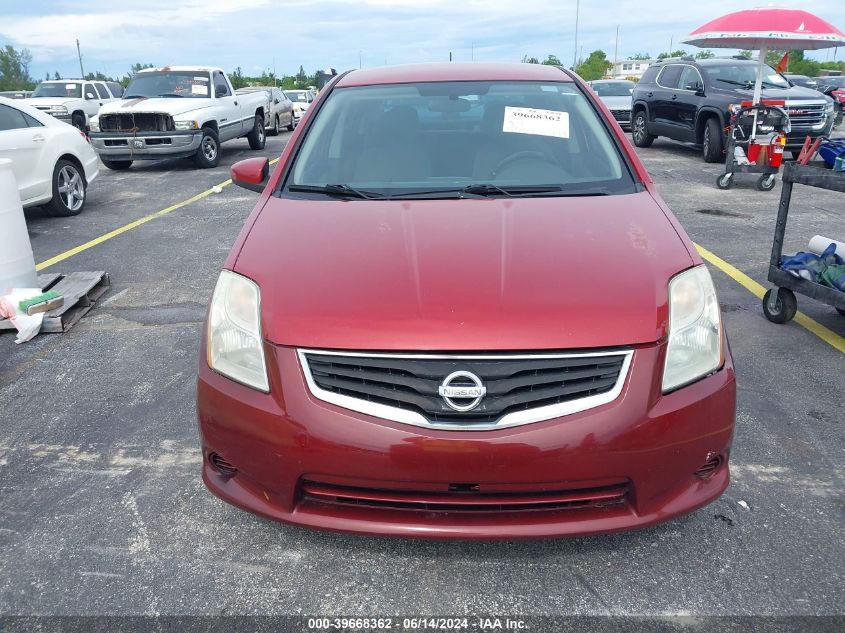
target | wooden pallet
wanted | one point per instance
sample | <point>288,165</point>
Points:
<point>80,290</point>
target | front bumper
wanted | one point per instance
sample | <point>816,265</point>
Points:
<point>146,145</point>
<point>796,137</point>
<point>649,444</point>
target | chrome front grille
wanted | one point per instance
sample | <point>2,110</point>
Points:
<point>515,389</point>
<point>805,115</point>
<point>136,122</point>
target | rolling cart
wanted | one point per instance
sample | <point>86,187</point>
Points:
<point>757,133</point>
<point>779,304</point>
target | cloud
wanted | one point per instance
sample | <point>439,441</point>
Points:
<point>322,33</point>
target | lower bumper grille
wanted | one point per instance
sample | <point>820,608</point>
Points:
<point>623,116</point>
<point>476,502</point>
<point>466,392</point>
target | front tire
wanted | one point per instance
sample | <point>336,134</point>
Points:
<point>78,121</point>
<point>256,137</point>
<point>639,130</point>
<point>208,154</point>
<point>117,165</point>
<point>292,124</point>
<point>69,189</point>
<point>712,143</point>
<point>274,131</point>
<point>786,306</point>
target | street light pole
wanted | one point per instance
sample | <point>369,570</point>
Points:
<point>575,52</point>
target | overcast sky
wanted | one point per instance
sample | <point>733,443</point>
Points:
<point>255,34</point>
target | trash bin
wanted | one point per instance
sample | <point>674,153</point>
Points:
<point>17,266</point>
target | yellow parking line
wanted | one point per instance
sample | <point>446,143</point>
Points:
<point>132,225</point>
<point>828,336</point>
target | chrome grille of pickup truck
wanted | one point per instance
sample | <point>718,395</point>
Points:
<point>136,122</point>
<point>517,389</point>
<point>805,115</point>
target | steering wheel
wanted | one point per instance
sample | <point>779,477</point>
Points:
<point>524,155</point>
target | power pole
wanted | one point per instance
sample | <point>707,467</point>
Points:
<point>671,43</point>
<point>79,54</point>
<point>575,52</point>
<point>472,52</point>
<point>359,60</point>
<point>450,55</point>
<point>615,52</point>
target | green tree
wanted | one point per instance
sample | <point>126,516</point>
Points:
<point>746,54</point>
<point>530,60</point>
<point>14,69</point>
<point>302,80</point>
<point>132,72</point>
<point>237,78</point>
<point>552,60</point>
<point>708,54</point>
<point>56,76</point>
<point>594,67</point>
<point>677,53</point>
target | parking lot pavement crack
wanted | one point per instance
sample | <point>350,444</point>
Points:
<point>592,591</point>
<point>166,314</point>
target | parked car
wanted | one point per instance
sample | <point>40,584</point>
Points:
<point>616,95</point>
<point>834,87</point>
<point>279,108</point>
<point>802,80</point>
<point>405,339</point>
<point>53,162</point>
<point>177,112</point>
<point>16,94</point>
<point>301,99</point>
<point>73,101</point>
<point>690,100</point>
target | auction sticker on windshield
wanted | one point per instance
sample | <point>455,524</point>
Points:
<point>536,121</point>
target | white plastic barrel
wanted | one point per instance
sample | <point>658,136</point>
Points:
<point>17,266</point>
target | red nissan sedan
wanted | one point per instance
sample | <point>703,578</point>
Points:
<point>461,309</point>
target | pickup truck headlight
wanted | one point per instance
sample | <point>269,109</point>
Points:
<point>57,110</point>
<point>234,345</point>
<point>186,125</point>
<point>828,106</point>
<point>695,329</point>
<point>297,107</point>
<point>94,124</point>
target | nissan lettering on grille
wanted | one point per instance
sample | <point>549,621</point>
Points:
<point>462,391</point>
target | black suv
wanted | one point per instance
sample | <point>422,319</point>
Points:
<point>689,100</point>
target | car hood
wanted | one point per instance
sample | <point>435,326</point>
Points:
<point>40,102</point>
<point>617,103</point>
<point>489,274</point>
<point>790,95</point>
<point>161,105</point>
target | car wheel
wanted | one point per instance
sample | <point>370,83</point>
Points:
<point>766,182</point>
<point>639,130</point>
<point>274,131</point>
<point>69,189</point>
<point>208,154</point>
<point>117,165</point>
<point>785,305</point>
<point>837,121</point>
<point>725,181</point>
<point>292,124</point>
<point>78,121</point>
<point>712,142</point>
<point>256,136</point>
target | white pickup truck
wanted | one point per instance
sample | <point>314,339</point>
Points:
<point>73,101</point>
<point>176,112</point>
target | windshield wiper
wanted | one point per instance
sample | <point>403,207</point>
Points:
<point>332,189</point>
<point>744,84</point>
<point>135,97</point>
<point>171,94</point>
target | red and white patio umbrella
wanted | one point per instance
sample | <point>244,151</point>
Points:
<point>765,29</point>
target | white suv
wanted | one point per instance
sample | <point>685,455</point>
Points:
<point>74,101</point>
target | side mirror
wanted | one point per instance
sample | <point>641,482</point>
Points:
<point>252,173</point>
<point>220,92</point>
<point>696,87</point>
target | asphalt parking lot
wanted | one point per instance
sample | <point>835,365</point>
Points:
<point>102,510</point>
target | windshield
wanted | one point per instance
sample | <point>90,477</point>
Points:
<point>188,84</point>
<point>832,82</point>
<point>296,95</point>
<point>743,75</point>
<point>435,137</point>
<point>614,88</point>
<point>70,90</point>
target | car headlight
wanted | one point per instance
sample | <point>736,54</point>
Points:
<point>186,125</point>
<point>828,107</point>
<point>694,349</point>
<point>234,345</point>
<point>296,107</point>
<point>94,124</point>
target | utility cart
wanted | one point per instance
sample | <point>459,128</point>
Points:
<point>755,143</point>
<point>779,304</point>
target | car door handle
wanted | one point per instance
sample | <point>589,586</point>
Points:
<point>649,94</point>
<point>38,138</point>
<point>236,103</point>
<point>674,97</point>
